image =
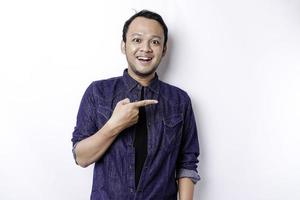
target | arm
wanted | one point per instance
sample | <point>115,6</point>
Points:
<point>186,189</point>
<point>89,150</point>
<point>92,148</point>
<point>186,167</point>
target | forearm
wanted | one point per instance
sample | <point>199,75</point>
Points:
<point>92,148</point>
<point>186,189</point>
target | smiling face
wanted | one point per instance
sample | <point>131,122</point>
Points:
<point>144,47</point>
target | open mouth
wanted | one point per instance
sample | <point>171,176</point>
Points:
<point>144,59</point>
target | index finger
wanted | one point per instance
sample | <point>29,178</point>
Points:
<point>145,102</point>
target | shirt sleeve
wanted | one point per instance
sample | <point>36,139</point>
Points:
<point>85,123</point>
<point>193,175</point>
<point>186,165</point>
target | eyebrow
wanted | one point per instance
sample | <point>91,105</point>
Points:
<point>139,34</point>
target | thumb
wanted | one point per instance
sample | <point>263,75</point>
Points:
<point>124,101</point>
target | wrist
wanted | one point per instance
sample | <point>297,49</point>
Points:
<point>113,128</point>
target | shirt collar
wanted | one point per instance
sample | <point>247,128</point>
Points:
<point>132,83</point>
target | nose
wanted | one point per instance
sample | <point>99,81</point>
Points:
<point>146,47</point>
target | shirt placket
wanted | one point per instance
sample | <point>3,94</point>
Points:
<point>133,96</point>
<point>149,115</point>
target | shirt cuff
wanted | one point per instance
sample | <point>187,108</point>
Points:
<point>73,151</point>
<point>193,175</point>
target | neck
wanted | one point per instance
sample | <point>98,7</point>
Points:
<point>144,81</point>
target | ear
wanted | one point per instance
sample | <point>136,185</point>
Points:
<point>123,47</point>
<point>164,51</point>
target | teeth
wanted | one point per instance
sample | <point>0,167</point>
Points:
<point>144,58</point>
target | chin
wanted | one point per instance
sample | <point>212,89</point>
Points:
<point>145,72</point>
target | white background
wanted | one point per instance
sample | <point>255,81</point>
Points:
<point>239,61</point>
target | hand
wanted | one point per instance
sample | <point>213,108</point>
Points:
<point>126,114</point>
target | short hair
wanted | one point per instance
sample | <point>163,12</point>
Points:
<point>149,15</point>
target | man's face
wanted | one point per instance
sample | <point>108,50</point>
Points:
<point>144,46</point>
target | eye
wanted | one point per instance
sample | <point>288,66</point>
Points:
<point>136,40</point>
<point>156,42</point>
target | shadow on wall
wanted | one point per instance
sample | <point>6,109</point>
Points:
<point>166,60</point>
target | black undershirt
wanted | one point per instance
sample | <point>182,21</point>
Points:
<point>140,141</point>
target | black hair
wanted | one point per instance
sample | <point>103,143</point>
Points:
<point>149,15</point>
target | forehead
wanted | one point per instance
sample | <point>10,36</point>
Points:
<point>145,26</point>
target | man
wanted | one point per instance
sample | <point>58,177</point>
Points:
<point>139,131</point>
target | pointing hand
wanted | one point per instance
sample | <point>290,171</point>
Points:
<point>126,113</point>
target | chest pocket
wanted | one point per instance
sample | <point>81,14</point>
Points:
<point>172,132</point>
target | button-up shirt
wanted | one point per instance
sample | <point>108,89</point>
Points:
<point>172,141</point>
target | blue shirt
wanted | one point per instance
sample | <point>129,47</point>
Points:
<point>172,142</point>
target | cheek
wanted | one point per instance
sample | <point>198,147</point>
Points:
<point>159,53</point>
<point>132,49</point>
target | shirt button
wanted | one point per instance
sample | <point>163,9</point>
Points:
<point>131,190</point>
<point>130,166</point>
